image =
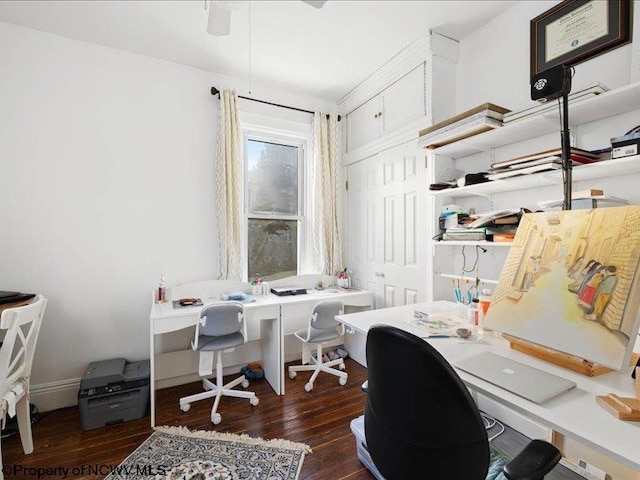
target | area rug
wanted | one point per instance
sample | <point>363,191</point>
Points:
<point>173,453</point>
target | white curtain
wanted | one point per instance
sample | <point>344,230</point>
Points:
<point>229,187</point>
<point>326,219</point>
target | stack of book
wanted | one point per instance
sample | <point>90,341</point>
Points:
<point>538,162</point>
<point>477,120</point>
<point>465,234</point>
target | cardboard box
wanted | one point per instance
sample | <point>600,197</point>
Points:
<point>625,146</point>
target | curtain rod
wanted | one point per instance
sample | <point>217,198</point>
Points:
<point>215,91</point>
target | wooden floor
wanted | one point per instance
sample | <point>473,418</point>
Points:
<point>320,419</point>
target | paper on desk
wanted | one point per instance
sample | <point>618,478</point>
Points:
<point>437,325</point>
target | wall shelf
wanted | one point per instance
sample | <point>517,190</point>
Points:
<point>621,172</point>
<point>598,107</point>
<point>606,168</point>
<point>450,243</point>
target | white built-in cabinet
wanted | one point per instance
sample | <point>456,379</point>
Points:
<point>594,121</point>
<point>385,222</point>
<point>398,104</point>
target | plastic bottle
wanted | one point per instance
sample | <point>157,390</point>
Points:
<point>485,301</point>
<point>473,310</point>
<point>161,290</point>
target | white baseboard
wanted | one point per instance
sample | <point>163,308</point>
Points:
<point>54,395</point>
<point>64,393</point>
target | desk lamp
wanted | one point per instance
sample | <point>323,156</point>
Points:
<point>549,85</point>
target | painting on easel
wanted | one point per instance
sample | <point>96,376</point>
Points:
<point>570,283</point>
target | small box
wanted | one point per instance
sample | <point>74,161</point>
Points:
<point>625,146</point>
<point>357,428</point>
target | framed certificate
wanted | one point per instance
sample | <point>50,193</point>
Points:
<point>575,30</point>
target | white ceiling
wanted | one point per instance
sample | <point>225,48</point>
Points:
<point>320,52</point>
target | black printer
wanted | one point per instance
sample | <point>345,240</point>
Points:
<point>113,391</point>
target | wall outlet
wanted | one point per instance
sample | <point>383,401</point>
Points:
<point>585,470</point>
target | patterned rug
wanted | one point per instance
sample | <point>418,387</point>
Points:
<point>173,453</point>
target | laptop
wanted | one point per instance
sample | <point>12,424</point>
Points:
<point>11,297</point>
<point>527,382</point>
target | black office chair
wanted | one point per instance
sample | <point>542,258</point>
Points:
<point>421,422</point>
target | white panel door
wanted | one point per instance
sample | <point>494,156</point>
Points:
<point>404,188</point>
<point>387,225</point>
<point>363,242</point>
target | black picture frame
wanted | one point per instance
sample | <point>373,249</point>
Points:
<point>557,34</point>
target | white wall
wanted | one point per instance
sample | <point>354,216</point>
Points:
<point>107,174</point>
<point>494,60</point>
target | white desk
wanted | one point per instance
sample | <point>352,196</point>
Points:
<point>269,319</point>
<point>574,414</point>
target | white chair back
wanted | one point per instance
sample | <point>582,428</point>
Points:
<point>221,319</point>
<point>324,313</point>
<point>22,325</point>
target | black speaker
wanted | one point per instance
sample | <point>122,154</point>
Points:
<point>551,83</point>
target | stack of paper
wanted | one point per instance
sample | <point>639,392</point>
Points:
<point>477,120</point>
<point>538,162</point>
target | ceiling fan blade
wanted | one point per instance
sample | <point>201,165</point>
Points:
<point>219,23</point>
<point>315,3</point>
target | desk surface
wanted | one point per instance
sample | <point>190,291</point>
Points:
<point>351,297</point>
<point>574,414</point>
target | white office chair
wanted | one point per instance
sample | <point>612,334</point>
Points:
<point>21,326</point>
<point>322,328</point>
<point>220,328</point>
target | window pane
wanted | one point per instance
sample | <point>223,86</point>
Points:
<point>272,178</point>
<point>273,248</point>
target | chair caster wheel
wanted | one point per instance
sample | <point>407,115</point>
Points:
<point>342,381</point>
<point>185,407</point>
<point>245,383</point>
<point>293,375</point>
<point>254,401</point>
<point>216,418</point>
<point>342,367</point>
<point>308,387</point>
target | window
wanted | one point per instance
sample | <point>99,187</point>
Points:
<point>273,199</point>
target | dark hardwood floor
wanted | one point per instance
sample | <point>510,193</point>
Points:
<point>320,419</point>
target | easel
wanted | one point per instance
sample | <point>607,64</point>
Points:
<point>624,408</point>
<point>571,362</point>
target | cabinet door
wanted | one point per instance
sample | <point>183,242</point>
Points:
<point>386,225</point>
<point>363,125</point>
<point>403,101</point>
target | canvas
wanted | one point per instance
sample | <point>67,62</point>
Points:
<point>570,283</point>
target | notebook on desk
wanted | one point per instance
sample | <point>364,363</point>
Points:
<point>527,382</point>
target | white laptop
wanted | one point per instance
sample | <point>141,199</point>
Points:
<point>525,381</point>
